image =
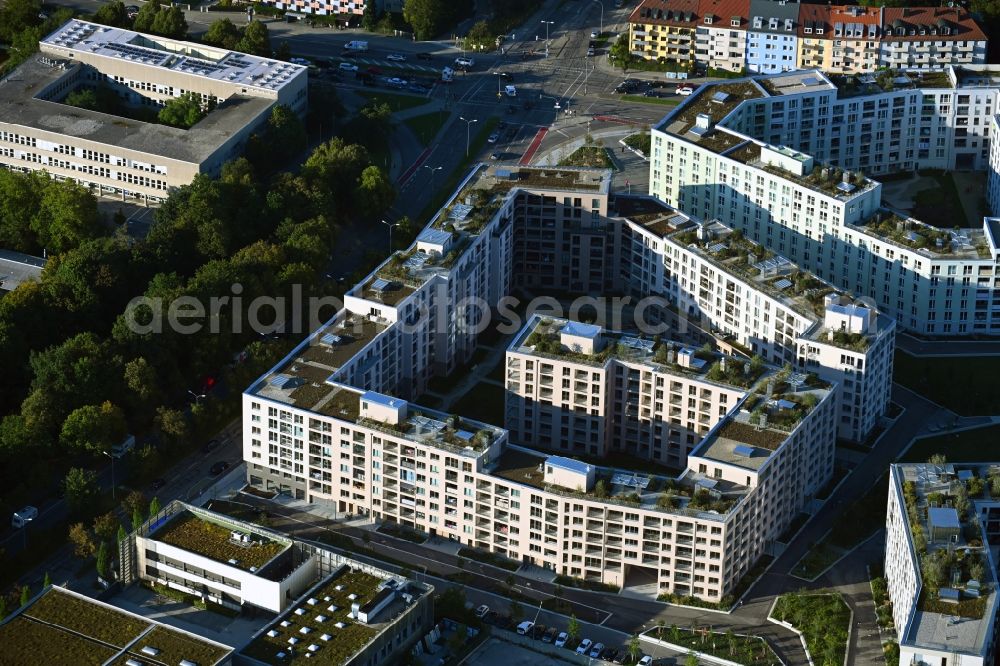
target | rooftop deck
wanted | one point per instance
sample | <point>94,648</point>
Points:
<point>905,231</point>
<point>962,624</point>
<point>858,85</point>
<point>716,101</point>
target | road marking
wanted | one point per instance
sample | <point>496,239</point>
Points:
<point>533,147</point>
<point>405,177</point>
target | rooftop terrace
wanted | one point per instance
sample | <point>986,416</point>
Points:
<point>905,231</point>
<point>954,613</point>
<point>794,82</point>
<point>215,541</point>
<point>716,101</point>
<point>855,85</point>
<point>625,487</point>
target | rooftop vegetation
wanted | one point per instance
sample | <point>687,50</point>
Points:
<point>343,643</point>
<point>175,646</point>
<point>823,619</point>
<point>27,641</point>
<point>196,535</point>
<point>588,156</point>
<point>909,233</point>
<point>824,179</point>
<point>739,648</point>
<point>86,618</point>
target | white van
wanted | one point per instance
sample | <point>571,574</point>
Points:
<point>465,63</point>
<point>447,74</point>
<point>23,517</point>
<point>511,91</point>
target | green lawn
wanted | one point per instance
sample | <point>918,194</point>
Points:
<point>815,562</point>
<point>823,619</point>
<point>395,102</point>
<point>966,446</point>
<point>426,127</point>
<point>663,101</point>
<point>484,402</point>
<point>588,156</point>
<point>963,384</point>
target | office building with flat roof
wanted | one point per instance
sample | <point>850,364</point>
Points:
<point>125,157</point>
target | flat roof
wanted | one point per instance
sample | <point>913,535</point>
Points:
<point>214,539</point>
<point>19,105</point>
<point>60,626</point>
<point>941,516</point>
<point>580,330</point>
<point>17,267</point>
<point>569,464</point>
<point>795,82</point>
<point>382,399</point>
<point>188,58</point>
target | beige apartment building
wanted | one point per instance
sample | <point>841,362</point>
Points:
<point>125,157</point>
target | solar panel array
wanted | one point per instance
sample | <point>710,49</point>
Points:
<point>625,479</point>
<point>772,264</point>
<point>637,343</point>
<point>416,262</point>
<point>380,285</point>
<point>715,248</point>
<point>280,381</point>
<point>459,212</point>
<point>783,283</point>
<point>331,339</point>
<point>744,450</point>
<point>136,53</point>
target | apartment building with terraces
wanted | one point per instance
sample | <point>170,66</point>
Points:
<point>786,160</point>
<point>941,549</point>
<point>127,157</point>
<point>339,421</point>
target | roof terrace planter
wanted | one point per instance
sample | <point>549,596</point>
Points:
<point>823,179</point>
<point>909,233</point>
<point>858,342</point>
<point>27,641</point>
<point>175,646</point>
<point>764,438</point>
<point>92,620</point>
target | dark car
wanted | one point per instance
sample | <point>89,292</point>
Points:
<point>550,635</point>
<point>211,446</point>
<point>218,468</point>
<point>538,631</point>
<point>609,654</point>
<point>157,484</point>
<point>491,617</point>
<point>622,656</point>
<point>503,621</point>
<point>424,56</point>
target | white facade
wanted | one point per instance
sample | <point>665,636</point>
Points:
<point>722,44</point>
<point>772,36</point>
<point>931,282</point>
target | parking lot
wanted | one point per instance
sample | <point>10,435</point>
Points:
<point>496,652</point>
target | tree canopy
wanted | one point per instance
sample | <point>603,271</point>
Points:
<point>183,111</point>
<point>155,18</point>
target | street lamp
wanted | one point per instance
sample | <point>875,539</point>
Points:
<point>390,225</point>
<point>433,170</point>
<point>197,396</point>
<point>500,76</point>
<point>112,473</point>
<point>602,16</point>
<point>547,24</point>
<point>468,124</point>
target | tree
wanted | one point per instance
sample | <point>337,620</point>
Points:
<point>170,22</point>
<point>122,534</point>
<point>183,111</point>
<point>140,378</point>
<point>370,17</point>
<point>25,595</point>
<point>634,648</point>
<point>94,428</point>
<point>47,581</point>
<point>691,659</point>
<point>934,571</point>
<point>81,488</point>
<point>102,560</point>
<point>154,507</point>
<point>479,36</point>
<point>3,606</point>
<point>18,15</point>
<point>106,526</point>
<point>255,39</point>
<point>113,14</point>
<point>137,519</point>
<point>133,501</point>
<point>425,16</point>
<point>573,628</point>
<point>222,33</point>
<point>171,423</point>
<point>82,98</point>
<point>283,52</point>
<point>66,215</point>
<point>375,192</point>
<point>619,52</point>
<point>458,639</point>
<point>83,542</point>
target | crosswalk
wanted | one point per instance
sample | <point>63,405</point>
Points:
<point>368,62</point>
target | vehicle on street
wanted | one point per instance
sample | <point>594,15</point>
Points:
<point>510,91</point>
<point>494,155</point>
<point>447,74</point>
<point>650,93</point>
<point>482,611</point>
<point>210,446</point>
<point>218,468</point>
<point>493,138</point>
<point>593,34</point>
<point>465,63</point>
<point>23,517</point>
<point>396,57</point>
<point>584,646</point>
<point>347,67</point>
<point>491,617</point>
<point>684,90</point>
<point>157,484</point>
<point>609,654</point>
<point>561,639</point>
<point>596,650</point>
<point>525,627</point>
<point>396,82</point>
<point>424,56</point>
<point>645,661</point>
<point>299,61</point>
<point>538,631</point>
<point>590,52</point>
<point>132,11</point>
<point>550,635</point>
<point>356,46</point>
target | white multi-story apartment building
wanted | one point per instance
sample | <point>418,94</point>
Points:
<point>772,36</point>
<point>945,517</point>
<point>753,154</point>
<point>335,422</point>
<point>133,158</point>
<point>721,39</point>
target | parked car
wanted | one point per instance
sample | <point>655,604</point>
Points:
<point>538,631</point>
<point>465,63</point>
<point>492,617</point>
<point>684,90</point>
<point>212,445</point>
<point>493,138</point>
<point>397,82</point>
<point>503,620</point>
<point>622,657</point>
<point>590,52</point>
<point>375,71</point>
<point>609,654</point>
<point>482,611</point>
<point>347,67</point>
<point>218,468</point>
<point>645,661</point>
<point>494,155</point>
<point>561,639</point>
<point>584,646</point>
<point>550,635</point>
<point>299,61</point>
<point>396,57</point>
<point>596,650</point>
<point>510,91</point>
<point>525,627</point>
<point>593,34</point>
